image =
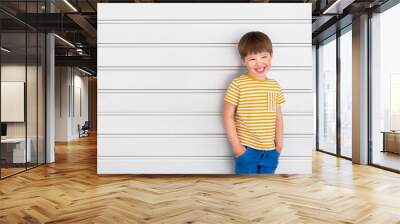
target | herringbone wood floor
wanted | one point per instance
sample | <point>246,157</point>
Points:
<point>70,191</point>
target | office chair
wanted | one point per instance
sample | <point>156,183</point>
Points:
<point>84,130</point>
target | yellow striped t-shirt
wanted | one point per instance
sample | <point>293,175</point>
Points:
<point>255,116</point>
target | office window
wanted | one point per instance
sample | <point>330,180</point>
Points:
<point>327,96</point>
<point>385,89</point>
<point>346,93</point>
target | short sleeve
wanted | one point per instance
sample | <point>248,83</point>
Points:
<point>232,93</point>
<point>281,97</point>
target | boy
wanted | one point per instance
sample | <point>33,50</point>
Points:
<point>252,114</point>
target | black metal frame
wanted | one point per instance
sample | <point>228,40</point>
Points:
<point>338,98</point>
<point>316,97</point>
<point>0,89</point>
<point>369,90</point>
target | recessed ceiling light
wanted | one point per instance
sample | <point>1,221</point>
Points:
<point>70,5</point>
<point>5,50</point>
<point>338,6</point>
<point>64,40</point>
<point>84,71</point>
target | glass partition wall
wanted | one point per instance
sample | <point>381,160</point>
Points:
<point>22,87</point>
<point>13,110</point>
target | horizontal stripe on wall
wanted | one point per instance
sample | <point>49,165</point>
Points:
<point>188,145</point>
<point>196,11</point>
<point>193,55</point>
<point>194,78</point>
<point>190,165</point>
<point>125,101</point>
<point>162,73</point>
<point>186,124</point>
<point>194,33</point>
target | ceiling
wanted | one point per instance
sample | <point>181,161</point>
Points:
<point>76,22</point>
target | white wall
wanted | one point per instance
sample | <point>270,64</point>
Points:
<point>16,72</point>
<point>163,70</point>
<point>80,104</point>
<point>33,126</point>
<point>61,103</point>
<point>69,81</point>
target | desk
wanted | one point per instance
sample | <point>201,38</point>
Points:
<point>391,141</point>
<point>18,150</point>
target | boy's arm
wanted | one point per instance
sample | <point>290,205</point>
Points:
<point>279,129</point>
<point>230,128</point>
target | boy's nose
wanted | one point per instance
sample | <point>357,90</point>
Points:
<point>259,61</point>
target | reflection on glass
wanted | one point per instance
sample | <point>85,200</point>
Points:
<point>32,84</point>
<point>13,86</point>
<point>31,101</point>
<point>41,98</point>
<point>385,114</point>
<point>346,94</point>
<point>327,96</point>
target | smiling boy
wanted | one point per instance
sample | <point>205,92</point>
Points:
<point>252,114</point>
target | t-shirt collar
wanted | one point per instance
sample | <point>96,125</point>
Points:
<point>252,78</point>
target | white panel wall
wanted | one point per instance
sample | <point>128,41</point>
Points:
<point>162,73</point>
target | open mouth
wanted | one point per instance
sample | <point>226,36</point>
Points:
<point>260,70</point>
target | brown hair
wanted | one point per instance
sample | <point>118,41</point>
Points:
<point>254,42</point>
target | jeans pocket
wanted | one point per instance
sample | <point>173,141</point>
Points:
<point>271,159</point>
<point>247,149</point>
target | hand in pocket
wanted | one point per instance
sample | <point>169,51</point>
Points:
<point>237,152</point>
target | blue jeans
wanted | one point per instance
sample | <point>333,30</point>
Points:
<point>254,161</point>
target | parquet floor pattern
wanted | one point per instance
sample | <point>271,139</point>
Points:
<point>70,191</point>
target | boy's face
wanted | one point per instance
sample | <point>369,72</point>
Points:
<point>258,64</point>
